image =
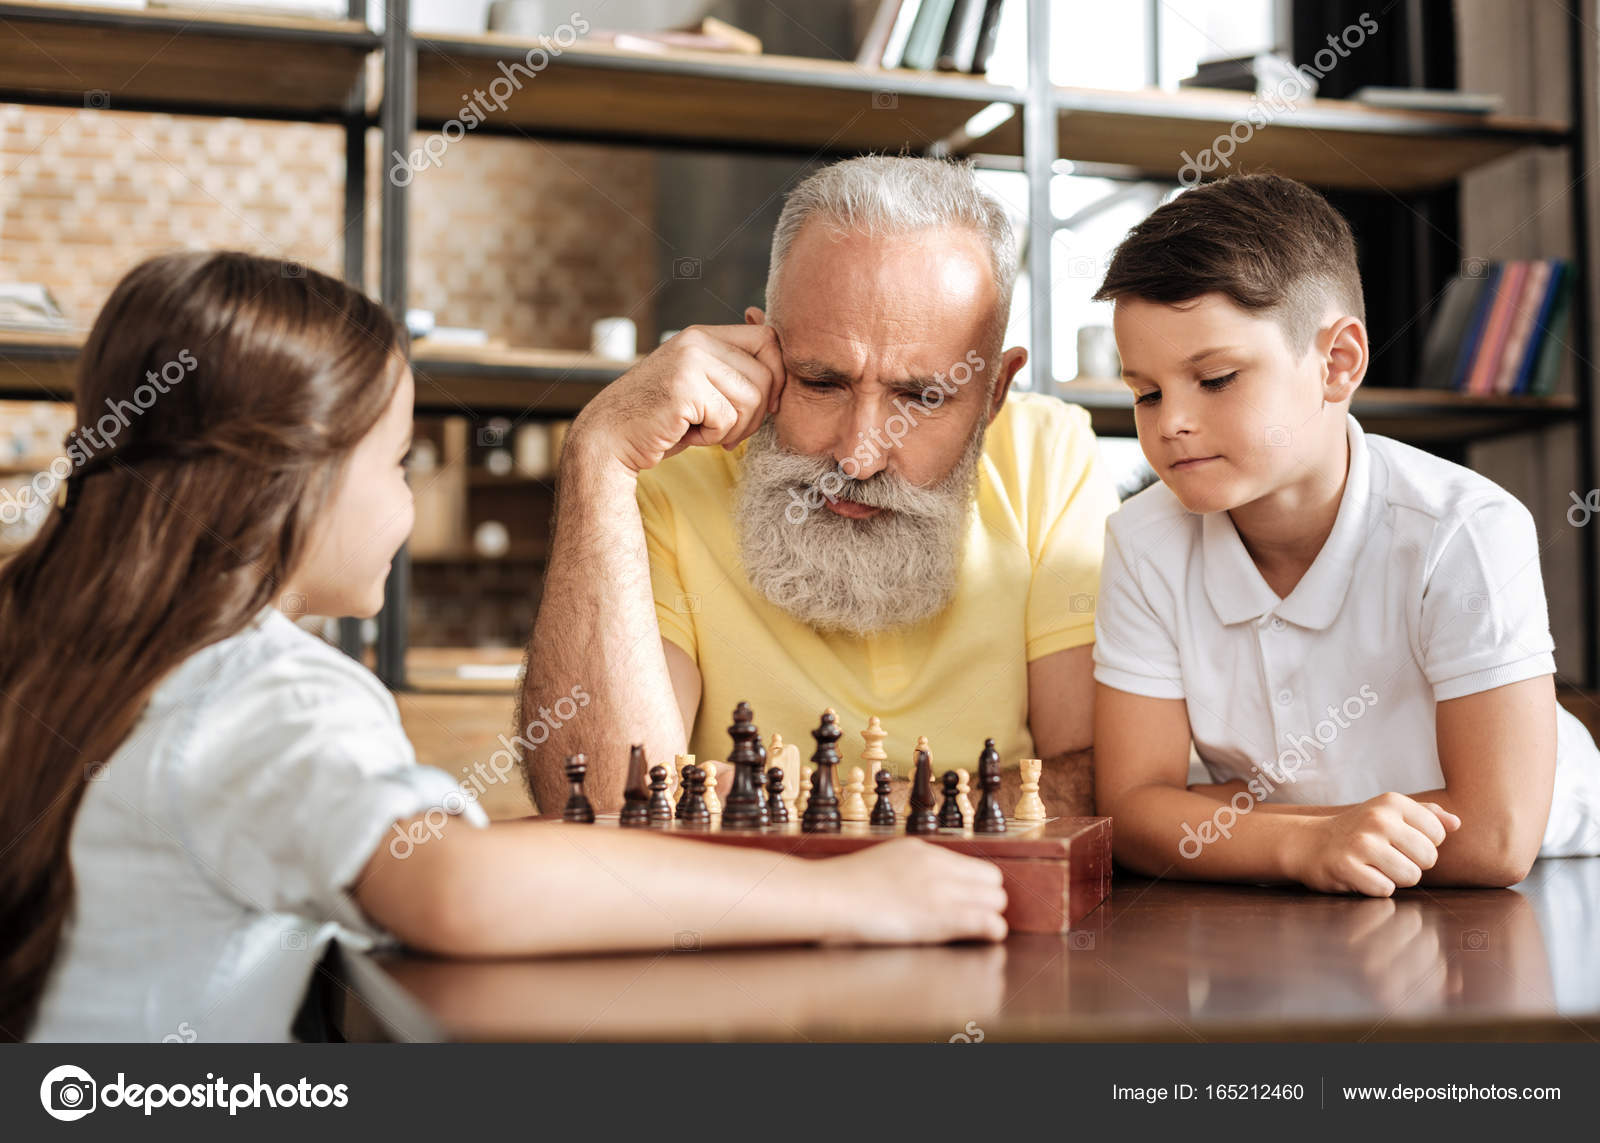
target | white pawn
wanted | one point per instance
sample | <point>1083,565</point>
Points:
<point>787,759</point>
<point>713,803</point>
<point>804,798</point>
<point>854,806</point>
<point>1030,808</point>
<point>963,790</point>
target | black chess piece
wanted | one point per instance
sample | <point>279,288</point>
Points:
<point>882,809</point>
<point>988,817</point>
<point>822,811</point>
<point>950,812</point>
<point>636,794</point>
<point>577,808</point>
<point>921,818</point>
<point>683,793</point>
<point>692,811</point>
<point>660,807</point>
<point>761,784</point>
<point>777,812</point>
<point>742,807</point>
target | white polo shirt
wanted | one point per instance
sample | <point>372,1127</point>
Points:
<point>1428,588</point>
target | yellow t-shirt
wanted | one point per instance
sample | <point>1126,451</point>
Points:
<point>1026,589</point>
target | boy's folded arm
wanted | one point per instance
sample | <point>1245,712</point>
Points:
<point>1497,751</point>
<point>1162,828</point>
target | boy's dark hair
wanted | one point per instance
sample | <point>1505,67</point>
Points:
<point>1268,243</point>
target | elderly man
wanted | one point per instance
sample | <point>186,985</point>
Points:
<point>886,529</point>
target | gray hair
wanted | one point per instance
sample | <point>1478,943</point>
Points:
<point>884,194</point>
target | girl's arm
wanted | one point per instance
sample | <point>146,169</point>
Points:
<point>538,888</point>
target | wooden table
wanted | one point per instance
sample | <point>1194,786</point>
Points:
<point>1161,960</point>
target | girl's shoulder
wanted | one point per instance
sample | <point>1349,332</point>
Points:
<point>271,661</point>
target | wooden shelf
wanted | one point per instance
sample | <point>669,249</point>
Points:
<point>790,104</point>
<point>192,62</point>
<point>772,103</point>
<point>1325,142</point>
<point>39,366</point>
<point>1418,416</point>
<point>480,380</point>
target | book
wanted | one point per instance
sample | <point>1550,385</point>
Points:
<point>922,49</point>
<point>1448,331</point>
<point>894,50</point>
<point>870,53</point>
<point>1553,345</point>
<point>1541,325</point>
<point>1485,361</point>
<point>988,36</point>
<point>1428,99</point>
<point>961,36</point>
<point>1480,318</point>
<point>1521,333</point>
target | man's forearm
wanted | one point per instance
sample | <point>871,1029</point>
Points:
<point>597,630</point>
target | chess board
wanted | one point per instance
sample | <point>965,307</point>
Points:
<point>1056,871</point>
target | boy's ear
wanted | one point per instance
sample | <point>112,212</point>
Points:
<point>1344,362</point>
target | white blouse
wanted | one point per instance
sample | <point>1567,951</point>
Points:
<point>214,854</point>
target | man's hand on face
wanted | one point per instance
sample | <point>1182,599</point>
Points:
<point>710,384</point>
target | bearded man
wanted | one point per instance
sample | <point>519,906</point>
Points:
<point>886,528</point>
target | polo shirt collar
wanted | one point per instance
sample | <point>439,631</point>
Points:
<point>1235,587</point>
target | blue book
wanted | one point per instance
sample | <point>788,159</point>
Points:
<point>1541,326</point>
<point>1480,318</point>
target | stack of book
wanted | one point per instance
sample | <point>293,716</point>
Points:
<point>948,35</point>
<point>1500,330</point>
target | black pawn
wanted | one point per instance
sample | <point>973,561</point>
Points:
<point>882,809</point>
<point>693,811</point>
<point>822,811</point>
<point>950,813</point>
<point>761,784</point>
<point>577,808</point>
<point>988,817</point>
<point>660,807</point>
<point>636,794</point>
<point>742,809</point>
<point>777,812</point>
<point>921,818</point>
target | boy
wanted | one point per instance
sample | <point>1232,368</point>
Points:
<point>1353,632</point>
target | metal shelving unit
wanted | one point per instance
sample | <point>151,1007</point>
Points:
<point>759,105</point>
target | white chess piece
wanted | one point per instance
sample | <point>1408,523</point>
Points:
<point>854,806</point>
<point>791,780</point>
<point>713,803</point>
<point>874,755</point>
<point>963,791</point>
<point>804,798</point>
<point>1030,808</point>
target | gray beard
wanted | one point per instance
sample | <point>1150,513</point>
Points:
<point>855,576</point>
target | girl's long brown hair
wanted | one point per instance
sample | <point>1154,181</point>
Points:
<point>178,532</point>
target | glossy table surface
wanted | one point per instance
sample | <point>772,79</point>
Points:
<point>1160,960</point>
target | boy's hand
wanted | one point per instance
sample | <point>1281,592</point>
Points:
<point>1373,848</point>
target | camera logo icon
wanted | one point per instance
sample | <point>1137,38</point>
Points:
<point>67,1093</point>
<point>685,268</point>
<point>885,100</point>
<point>686,940</point>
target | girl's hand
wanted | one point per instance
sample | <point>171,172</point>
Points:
<point>1382,844</point>
<point>909,892</point>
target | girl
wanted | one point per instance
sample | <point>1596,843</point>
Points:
<point>196,796</point>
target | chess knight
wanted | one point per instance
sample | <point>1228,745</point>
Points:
<point>846,502</point>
